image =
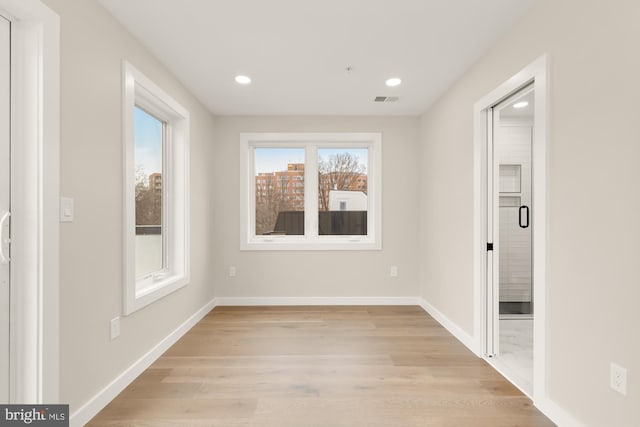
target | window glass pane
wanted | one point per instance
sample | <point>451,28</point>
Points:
<point>342,191</point>
<point>279,181</point>
<point>148,137</point>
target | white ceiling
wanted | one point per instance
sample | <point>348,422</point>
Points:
<point>296,51</point>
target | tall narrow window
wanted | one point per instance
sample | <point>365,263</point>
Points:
<point>156,209</point>
<point>149,160</point>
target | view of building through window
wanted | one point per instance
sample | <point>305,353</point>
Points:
<point>148,137</point>
<point>342,191</point>
<point>280,191</point>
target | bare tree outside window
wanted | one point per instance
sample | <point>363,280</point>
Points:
<point>279,191</point>
<point>342,191</point>
<point>148,147</point>
<point>148,198</point>
<point>340,171</point>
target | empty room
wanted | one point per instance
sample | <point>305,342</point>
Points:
<point>340,213</point>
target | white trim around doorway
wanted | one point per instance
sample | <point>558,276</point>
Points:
<point>535,72</point>
<point>35,127</point>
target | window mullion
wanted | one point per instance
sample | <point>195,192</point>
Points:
<point>311,192</point>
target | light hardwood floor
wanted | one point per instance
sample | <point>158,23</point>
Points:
<point>320,367</point>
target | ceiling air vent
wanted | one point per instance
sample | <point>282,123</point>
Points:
<point>386,99</point>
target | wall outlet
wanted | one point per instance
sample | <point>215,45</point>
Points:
<point>619,379</point>
<point>114,328</point>
<point>393,271</point>
<point>232,271</point>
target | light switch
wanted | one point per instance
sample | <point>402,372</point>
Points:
<point>66,209</point>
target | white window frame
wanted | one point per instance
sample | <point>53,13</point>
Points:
<point>138,90</point>
<point>311,142</point>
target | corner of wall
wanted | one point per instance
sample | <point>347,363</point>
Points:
<point>461,335</point>
<point>90,409</point>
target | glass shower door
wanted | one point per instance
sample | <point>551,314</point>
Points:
<point>510,271</point>
<point>513,137</point>
<point>516,292</point>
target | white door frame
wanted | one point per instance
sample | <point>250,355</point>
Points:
<point>5,191</point>
<point>492,342</point>
<point>35,56</point>
<point>535,72</point>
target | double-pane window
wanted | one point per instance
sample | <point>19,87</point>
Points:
<point>310,191</point>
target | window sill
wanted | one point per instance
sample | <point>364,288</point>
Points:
<point>321,243</point>
<point>148,291</point>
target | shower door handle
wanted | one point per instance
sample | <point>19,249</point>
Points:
<point>526,209</point>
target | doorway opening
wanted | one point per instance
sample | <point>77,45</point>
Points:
<point>510,228</point>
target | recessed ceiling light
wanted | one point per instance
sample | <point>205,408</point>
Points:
<point>243,80</point>
<point>393,81</point>
<point>521,104</point>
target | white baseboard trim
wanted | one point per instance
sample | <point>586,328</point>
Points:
<point>548,407</point>
<point>522,384</point>
<point>89,410</point>
<point>450,326</point>
<point>264,301</point>
<point>556,414</point>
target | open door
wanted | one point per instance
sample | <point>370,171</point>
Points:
<point>510,125</point>
<point>510,225</point>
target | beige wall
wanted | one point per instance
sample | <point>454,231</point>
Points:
<point>594,156</point>
<point>594,273</point>
<point>320,273</point>
<point>93,46</point>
